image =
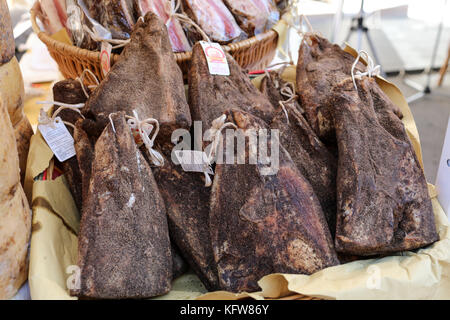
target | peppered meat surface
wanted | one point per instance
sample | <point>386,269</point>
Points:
<point>382,195</point>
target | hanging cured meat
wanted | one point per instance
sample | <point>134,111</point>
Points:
<point>262,224</point>
<point>309,154</point>
<point>115,15</point>
<point>187,204</point>
<point>210,95</point>
<point>214,18</point>
<point>383,200</point>
<point>322,65</point>
<point>177,36</point>
<point>53,14</point>
<point>124,245</point>
<point>146,79</point>
<point>251,18</point>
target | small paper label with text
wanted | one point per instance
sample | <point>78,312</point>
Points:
<point>105,57</point>
<point>58,139</point>
<point>216,58</point>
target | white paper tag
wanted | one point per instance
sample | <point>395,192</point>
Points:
<point>217,61</point>
<point>59,140</point>
<point>105,57</point>
<point>194,161</point>
<point>443,176</point>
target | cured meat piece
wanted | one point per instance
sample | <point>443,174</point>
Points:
<point>262,224</point>
<point>214,18</point>
<point>382,194</point>
<point>251,18</point>
<point>322,65</point>
<point>146,79</point>
<point>53,14</point>
<point>84,148</point>
<point>309,154</point>
<point>211,95</point>
<point>70,91</point>
<point>177,36</point>
<point>114,15</point>
<point>187,204</point>
<point>124,245</point>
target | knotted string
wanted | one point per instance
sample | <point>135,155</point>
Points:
<point>289,92</point>
<point>144,132</point>
<point>218,125</point>
<point>372,70</point>
<point>81,80</point>
<point>171,7</point>
<point>44,119</point>
<point>97,38</point>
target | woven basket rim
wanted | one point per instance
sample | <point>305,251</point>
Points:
<point>95,55</point>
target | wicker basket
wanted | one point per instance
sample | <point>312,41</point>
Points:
<point>254,53</point>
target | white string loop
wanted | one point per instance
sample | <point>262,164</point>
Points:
<point>372,70</point>
<point>287,91</point>
<point>218,125</point>
<point>44,119</point>
<point>119,43</point>
<point>171,7</point>
<point>81,80</point>
<point>144,129</point>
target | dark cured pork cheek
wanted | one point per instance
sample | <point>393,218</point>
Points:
<point>308,153</point>
<point>187,204</point>
<point>85,156</point>
<point>146,78</point>
<point>124,245</point>
<point>70,91</point>
<point>210,95</point>
<point>383,200</point>
<point>321,65</point>
<point>265,224</point>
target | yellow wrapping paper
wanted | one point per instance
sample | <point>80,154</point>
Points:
<point>407,275</point>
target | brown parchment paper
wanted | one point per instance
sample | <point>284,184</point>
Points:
<point>424,274</point>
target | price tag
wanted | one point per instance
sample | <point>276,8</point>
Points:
<point>215,56</point>
<point>105,57</point>
<point>443,177</point>
<point>58,139</point>
<point>194,161</point>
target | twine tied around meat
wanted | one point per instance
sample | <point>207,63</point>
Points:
<point>81,80</point>
<point>215,132</point>
<point>144,128</point>
<point>44,119</point>
<point>372,70</point>
<point>288,91</point>
<point>97,38</point>
<point>171,7</point>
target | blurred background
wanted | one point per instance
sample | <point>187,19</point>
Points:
<point>409,38</point>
